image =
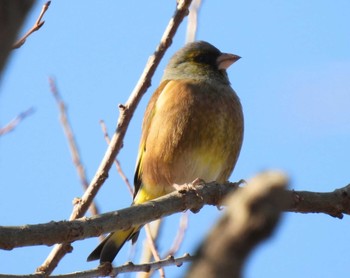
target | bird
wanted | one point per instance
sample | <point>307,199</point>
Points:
<point>192,129</point>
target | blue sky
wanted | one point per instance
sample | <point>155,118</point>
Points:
<point>293,82</point>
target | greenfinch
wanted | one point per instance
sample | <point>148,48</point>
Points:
<point>192,128</point>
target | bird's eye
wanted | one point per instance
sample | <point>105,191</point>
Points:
<point>200,59</point>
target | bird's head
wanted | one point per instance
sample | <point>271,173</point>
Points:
<point>199,60</point>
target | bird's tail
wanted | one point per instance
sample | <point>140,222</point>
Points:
<point>110,246</point>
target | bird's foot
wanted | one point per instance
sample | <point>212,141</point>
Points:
<point>188,186</point>
<point>191,187</point>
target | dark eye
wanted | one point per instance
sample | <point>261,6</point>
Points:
<point>204,59</point>
<point>201,58</point>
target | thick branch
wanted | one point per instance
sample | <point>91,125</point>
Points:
<point>67,231</point>
<point>250,217</point>
<point>334,203</point>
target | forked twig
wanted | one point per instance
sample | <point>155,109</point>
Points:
<point>38,24</point>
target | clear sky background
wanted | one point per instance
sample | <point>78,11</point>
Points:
<point>293,81</point>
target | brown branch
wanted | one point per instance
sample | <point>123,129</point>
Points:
<point>16,121</point>
<point>12,15</point>
<point>116,161</point>
<point>68,231</point>
<point>334,203</point>
<point>106,269</point>
<point>151,236</point>
<point>38,24</point>
<point>126,113</point>
<point>149,250</point>
<point>60,250</point>
<point>73,147</point>
<point>251,216</point>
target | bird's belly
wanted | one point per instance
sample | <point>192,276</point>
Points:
<point>198,134</point>
<point>204,163</point>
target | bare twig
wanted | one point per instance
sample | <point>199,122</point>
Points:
<point>192,24</point>
<point>106,270</point>
<point>180,235</point>
<point>12,15</point>
<point>116,161</point>
<point>73,147</point>
<point>60,250</point>
<point>126,113</point>
<point>16,121</point>
<point>151,237</point>
<point>251,216</point>
<point>38,24</point>
<point>334,203</point>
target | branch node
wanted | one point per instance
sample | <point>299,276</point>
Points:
<point>68,248</point>
<point>121,107</point>
<point>38,24</point>
<point>76,201</point>
<point>129,264</point>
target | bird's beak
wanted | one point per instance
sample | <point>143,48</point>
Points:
<point>225,60</point>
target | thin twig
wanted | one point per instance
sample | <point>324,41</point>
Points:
<point>106,270</point>
<point>126,113</point>
<point>146,255</point>
<point>192,24</point>
<point>151,245</point>
<point>151,238</point>
<point>16,121</point>
<point>180,235</point>
<point>116,161</point>
<point>60,250</point>
<point>38,24</point>
<point>73,147</point>
<point>12,15</point>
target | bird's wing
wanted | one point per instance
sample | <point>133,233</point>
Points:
<point>147,120</point>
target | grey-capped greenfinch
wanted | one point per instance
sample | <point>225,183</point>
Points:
<point>192,128</point>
